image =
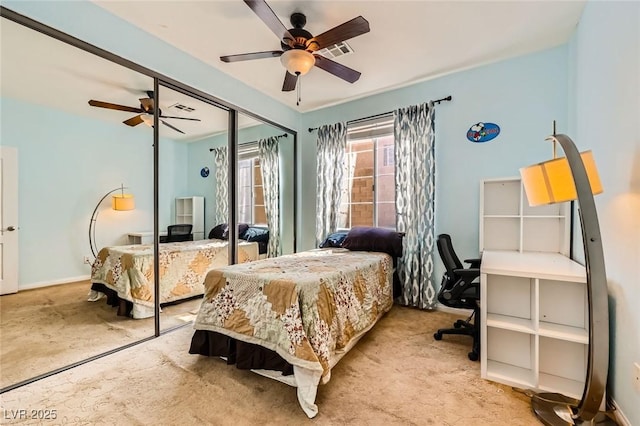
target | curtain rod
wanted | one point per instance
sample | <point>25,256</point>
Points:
<point>437,101</point>
<point>284,135</point>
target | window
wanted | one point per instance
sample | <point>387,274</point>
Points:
<point>369,195</point>
<point>250,194</point>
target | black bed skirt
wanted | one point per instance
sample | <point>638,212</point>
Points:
<point>124,306</point>
<point>246,356</point>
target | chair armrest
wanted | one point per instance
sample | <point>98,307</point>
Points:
<point>474,263</point>
<point>467,280</point>
<point>468,273</point>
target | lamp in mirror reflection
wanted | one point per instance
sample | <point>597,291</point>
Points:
<point>564,179</point>
<point>119,202</point>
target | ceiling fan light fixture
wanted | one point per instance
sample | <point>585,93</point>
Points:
<point>297,61</point>
<point>147,119</point>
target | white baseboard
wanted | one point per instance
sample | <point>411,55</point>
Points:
<point>41,284</point>
<point>621,419</point>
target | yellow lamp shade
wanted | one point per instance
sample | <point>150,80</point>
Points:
<point>123,202</point>
<point>552,182</point>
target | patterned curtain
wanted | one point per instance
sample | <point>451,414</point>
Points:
<point>270,167</point>
<point>415,207</point>
<point>222,185</point>
<point>331,146</point>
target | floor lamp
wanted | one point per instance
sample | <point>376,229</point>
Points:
<point>563,179</point>
<point>119,202</point>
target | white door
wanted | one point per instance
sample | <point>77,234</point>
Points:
<point>8,220</point>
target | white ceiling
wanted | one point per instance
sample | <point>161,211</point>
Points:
<point>409,41</point>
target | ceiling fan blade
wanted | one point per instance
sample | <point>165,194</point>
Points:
<point>180,118</point>
<point>264,12</point>
<point>147,104</point>
<point>353,28</point>
<point>249,56</point>
<point>133,121</point>
<point>108,105</point>
<point>290,81</point>
<point>169,125</point>
<point>337,69</point>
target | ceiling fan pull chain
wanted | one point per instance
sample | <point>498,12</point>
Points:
<point>299,88</point>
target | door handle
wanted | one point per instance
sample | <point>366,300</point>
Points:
<point>10,228</point>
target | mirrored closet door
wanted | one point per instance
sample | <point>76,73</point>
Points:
<point>265,195</point>
<point>192,201</point>
<point>74,152</point>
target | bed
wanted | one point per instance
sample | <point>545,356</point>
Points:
<point>292,318</point>
<point>125,273</point>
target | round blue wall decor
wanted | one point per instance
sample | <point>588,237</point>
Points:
<point>204,172</point>
<point>483,132</point>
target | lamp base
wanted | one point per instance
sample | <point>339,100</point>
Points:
<point>554,409</point>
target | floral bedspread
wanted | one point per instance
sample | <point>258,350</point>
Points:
<point>183,266</point>
<point>305,306</point>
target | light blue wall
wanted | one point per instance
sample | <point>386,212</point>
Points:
<point>66,163</point>
<point>522,95</point>
<point>604,107</point>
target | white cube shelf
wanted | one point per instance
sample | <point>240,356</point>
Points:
<point>190,210</point>
<point>534,321</point>
<point>507,222</point>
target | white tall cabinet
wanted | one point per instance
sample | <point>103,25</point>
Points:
<point>534,314</point>
<point>190,210</point>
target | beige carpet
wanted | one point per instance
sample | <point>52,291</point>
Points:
<point>397,374</point>
<point>51,327</point>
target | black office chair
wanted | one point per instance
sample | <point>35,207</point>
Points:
<point>176,233</point>
<point>460,288</point>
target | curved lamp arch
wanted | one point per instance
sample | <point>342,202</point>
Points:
<point>119,202</point>
<point>559,180</point>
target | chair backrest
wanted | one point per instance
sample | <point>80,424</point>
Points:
<point>452,281</point>
<point>181,229</point>
<point>180,232</point>
<point>448,255</point>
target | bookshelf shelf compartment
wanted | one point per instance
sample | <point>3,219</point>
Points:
<point>534,331</point>
<point>507,222</point>
<point>190,210</point>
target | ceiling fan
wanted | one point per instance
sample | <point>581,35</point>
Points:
<point>298,45</point>
<point>145,112</point>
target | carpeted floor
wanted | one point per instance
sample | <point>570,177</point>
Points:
<point>51,327</point>
<point>397,374</point>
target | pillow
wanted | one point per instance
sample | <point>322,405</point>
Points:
<point>242,228</point>
<point>256,234</point>
<point>221,232</point>
<point>363,238</point>
<point>334,240</point>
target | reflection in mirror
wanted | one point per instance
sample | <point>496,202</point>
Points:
<point>265,186</point>
<point>70,158</point>
<point>186,250</point>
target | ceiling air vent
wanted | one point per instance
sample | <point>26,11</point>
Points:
<point>181,107</point>
<point>336,50</point>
